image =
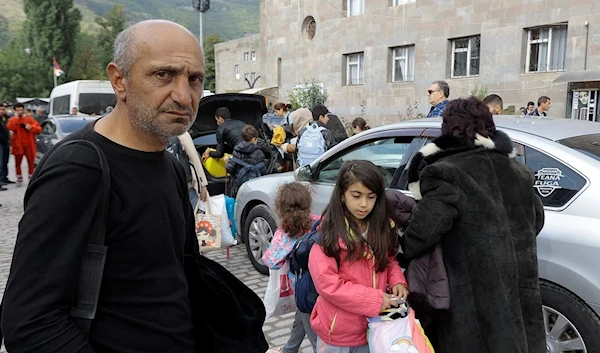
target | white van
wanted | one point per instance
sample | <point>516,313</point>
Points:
<point>88,96</point>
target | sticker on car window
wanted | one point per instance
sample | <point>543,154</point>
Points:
<point>547,180</point>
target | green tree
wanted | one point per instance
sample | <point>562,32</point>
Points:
<point>307,95</point>
<point>87,64</point>
<point>50,31</point>
<point>209,58</point>
<point>19,73</point>
<point>479,92</point>
<point>111,25</point>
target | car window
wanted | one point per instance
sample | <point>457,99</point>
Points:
<point>586,144</point>
<point>96,102</point>
<point>48,128</point>
<point>386,153</point>
<point>61,105</point>
<point>556,183</point>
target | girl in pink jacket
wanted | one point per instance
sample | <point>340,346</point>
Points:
<point>354,270</point>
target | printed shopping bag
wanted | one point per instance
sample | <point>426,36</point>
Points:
<point>279,296</point>
<point>398,331</point>
<point>208,227</point>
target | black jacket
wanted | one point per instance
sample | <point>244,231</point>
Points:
<point>229,133</point>
<point>481,207</point>
<point>4,133</point>
<point>248,152</point>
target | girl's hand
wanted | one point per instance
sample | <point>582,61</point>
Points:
<point>400,291</point>
<point>387,302</point>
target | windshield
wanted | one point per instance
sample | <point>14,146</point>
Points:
<point>68,126</point>
<point>586,144</point>
<point>96,102</point>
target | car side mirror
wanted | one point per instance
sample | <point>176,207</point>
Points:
<point>303,173</point>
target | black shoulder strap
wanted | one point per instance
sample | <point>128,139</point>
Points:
<point>94,255</point>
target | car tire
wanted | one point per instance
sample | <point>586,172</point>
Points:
<point>259,228</point>
<point>581,320</point>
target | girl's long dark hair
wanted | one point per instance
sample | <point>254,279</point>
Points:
<point>380,237</point>
<point>292,205</point>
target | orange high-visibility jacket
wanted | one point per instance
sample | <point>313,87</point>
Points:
<point>21,136</point>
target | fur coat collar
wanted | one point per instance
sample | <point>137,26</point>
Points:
<point>447,145</point>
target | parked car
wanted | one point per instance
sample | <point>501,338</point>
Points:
<point>564,154</point>
<point>248,108</point>
<point>57,128</point>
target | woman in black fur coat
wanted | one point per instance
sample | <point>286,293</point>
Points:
<point>480,205</point>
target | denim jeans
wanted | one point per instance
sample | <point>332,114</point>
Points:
<point>300,328</point>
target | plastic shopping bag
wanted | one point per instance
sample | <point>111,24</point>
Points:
<point>397,332</point>
<point>279,296</point>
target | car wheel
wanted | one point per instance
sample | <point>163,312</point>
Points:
<point>571,326</point>
<point>259,229</point>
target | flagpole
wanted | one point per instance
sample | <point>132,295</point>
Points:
<point>53,74</point>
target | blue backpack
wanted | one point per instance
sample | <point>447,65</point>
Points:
<point>306,293</point>
<point>247,172</point>
<point>311,144</point>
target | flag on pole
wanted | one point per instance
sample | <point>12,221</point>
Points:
<point>57,70</point>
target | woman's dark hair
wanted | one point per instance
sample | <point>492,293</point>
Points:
<point>292,205</point>
<point>361,123</point>
<point>380,236</point>
<point>466,118</point>
<point>284,106</point>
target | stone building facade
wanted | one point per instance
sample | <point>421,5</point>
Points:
<point>377,58</point>
<point>237,64</point>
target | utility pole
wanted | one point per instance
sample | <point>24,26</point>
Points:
<point>201,36</point>
<point>201,6</point>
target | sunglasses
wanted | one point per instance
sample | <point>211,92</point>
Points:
<point>430,91</point>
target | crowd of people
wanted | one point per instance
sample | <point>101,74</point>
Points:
<point>111,195</point>
<point>439,91</point>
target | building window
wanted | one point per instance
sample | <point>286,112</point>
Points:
<point>465,57</point>
<point>354,68</point>
<point>402,2</point>
<point>253,56</point>
<point>247,76</point>
<point>236,69</point>
<point>246,56</point>
<point>546,49</point>
<point>355,7</point>
<point>252,77</point>
<point>403,64</point>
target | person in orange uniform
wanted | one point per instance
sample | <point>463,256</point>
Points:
<point>24,129</point>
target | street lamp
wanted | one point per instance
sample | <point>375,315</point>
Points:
<point>201,6</point>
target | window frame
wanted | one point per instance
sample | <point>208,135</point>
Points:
<point>361,11</point>
<point>236,69</point>
<point>360,63</point>
<point>253,55</point>
<point>531,42</point>
<point>246,56</point>
<point>402,2</point>
<point>468,50</point>
<point>408,51</point>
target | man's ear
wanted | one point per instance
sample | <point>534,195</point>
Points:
<point>118,81</point>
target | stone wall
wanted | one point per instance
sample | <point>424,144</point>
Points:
<point>287,57</point>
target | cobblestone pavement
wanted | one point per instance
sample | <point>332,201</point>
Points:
<point>276,329</point>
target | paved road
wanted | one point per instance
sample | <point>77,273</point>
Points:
<point>276,329</point>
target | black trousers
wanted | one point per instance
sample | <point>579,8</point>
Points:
<point>4,166</point>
